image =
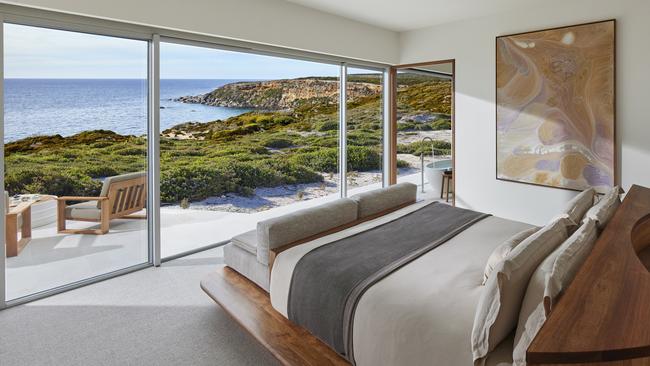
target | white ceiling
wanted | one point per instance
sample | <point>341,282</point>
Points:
<point>403,15</point>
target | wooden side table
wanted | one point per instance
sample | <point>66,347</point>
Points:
<point>19,216</point>
<point>447,176</point>
<point>13,244</point>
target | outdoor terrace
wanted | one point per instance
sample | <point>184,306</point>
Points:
<point>50,259</point>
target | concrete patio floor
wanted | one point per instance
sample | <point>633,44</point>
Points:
<point>51,260</point>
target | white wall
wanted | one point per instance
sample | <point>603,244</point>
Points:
<point>472,44</point>
<point>270,22</point>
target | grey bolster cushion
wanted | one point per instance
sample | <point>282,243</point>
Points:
<point>246,241</point>
<point>376,201</point>
<point>246,264</point>
<point>286,229</point>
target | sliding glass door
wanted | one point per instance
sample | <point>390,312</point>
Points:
<point>99,128</point>
<point>364,124</point>
<point>75,156</point>
<point>244,137</point>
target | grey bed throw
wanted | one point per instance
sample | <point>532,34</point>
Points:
<point>328,282</point>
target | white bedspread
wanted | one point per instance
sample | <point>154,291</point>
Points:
<point>421,314</point>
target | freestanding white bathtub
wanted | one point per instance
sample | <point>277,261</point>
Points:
<point>433,172</point>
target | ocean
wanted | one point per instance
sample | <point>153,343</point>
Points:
<point>68,106</point>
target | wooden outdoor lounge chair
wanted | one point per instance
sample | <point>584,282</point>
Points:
<point>120,198</point>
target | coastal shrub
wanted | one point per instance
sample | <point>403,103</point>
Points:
<point>363,158</point>
<point>441,125</point>
<point>229,134</point>
<point>405,126</point>
<point>101,144</point>
<point>50,181</point>
<point>369,126</point>
<point>328,126</point>
<point>98,170</point>
<point>324,160</point>
<point>200,181</point>
<point>253,174</point>
<point>330,140</point>
<point>33,143</point>
<point>420,147</point>
<point>362,138</point>
<point>278,143</point>
<point>259,150</point>
<point>360,158</point>
<point>430,96</point>
<point>69,154</point>
<point>402,164</point>
<point>294,173</point>
<point>187,152</point>
<point>194,183</point>
<point>134,150</point>
<point>283,120</point>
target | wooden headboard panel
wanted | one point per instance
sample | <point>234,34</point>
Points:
<point>604,315</point>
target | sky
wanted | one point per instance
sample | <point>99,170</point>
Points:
<point>32,52</point>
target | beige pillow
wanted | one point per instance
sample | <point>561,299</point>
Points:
<point>551,277</point>
<point>501,252</point>
<point>604,210</point>
<point>498,308</point>
<point>567,265</point>
<point>576,208</point>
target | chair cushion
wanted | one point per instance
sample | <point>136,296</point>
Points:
<point>118,178</point>
<point>301,224</point>
<point>84,210</point>
<point>246,241</point>
<point>247,265</point>
<point>379,200</point>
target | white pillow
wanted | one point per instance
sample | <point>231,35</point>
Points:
<point>576,208</point>
<point>498,308</point>
<point>551,277</point>
<point>501,252</point>
<point>604,210</point>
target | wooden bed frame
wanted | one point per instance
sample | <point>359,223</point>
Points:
<point>251,307</point>
<point>603,316</point>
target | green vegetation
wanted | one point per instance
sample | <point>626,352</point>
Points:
<point>419,147</point>
<point>199,160</point>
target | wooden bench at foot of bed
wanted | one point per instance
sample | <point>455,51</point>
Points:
<point>251,307</point>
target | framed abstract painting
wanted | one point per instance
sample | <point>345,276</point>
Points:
<point>555,94</point>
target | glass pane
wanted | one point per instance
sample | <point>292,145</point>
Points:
<point>424,127</point>
<point>75,118</point>
<point>364,116</point>
<point>243,138</point>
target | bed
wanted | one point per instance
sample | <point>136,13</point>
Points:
<point>418,313</point>
<point>426,307</point>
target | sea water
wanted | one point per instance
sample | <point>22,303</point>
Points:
<point>69,106</point>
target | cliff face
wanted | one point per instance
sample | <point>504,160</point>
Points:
<point>281,94</point>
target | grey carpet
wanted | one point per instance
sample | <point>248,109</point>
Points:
<point>157,316</point>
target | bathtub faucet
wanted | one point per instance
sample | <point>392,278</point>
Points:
<point>433,154</point>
